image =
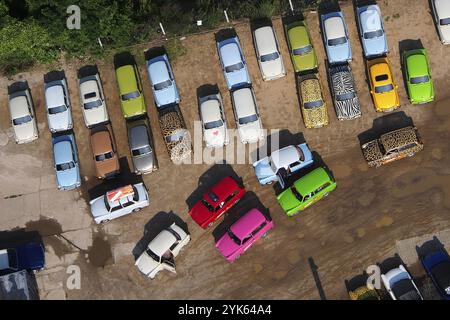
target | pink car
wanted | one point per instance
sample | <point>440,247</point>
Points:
<point>243,234</point>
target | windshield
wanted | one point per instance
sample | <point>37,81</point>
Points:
<point>248,119</point>
<point>337,41</point>
<point>235,67</point>
<point>422,79</point>
<point>313,104</point>
<point>162,85</point>
<point>297,194</point>
<point>270,57</point>
<point>213,124</point>
<point>233,237</point>
<point>65,166</point>
<point>207,205</point>
<point>56,110</point>
<point>22,120</point>
<point>130,96</point>
<point>92,104</point>
<point>104,156</point>
<point>12,258</point>
<point>373,34</point>
<point>345,96</point>
<point>444,22</point>
<point>177,136</point>
<point>141,151</point>
<point>153,255</point>
<point>385,88</point>
<point>302,50</point>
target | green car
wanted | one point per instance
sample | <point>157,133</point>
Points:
<point>418,76</point>
<point>301,49</point>
<point>131,98</point>
<point>306,191</point>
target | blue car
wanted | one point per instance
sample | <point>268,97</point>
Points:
<point>371,30</point>
<point>30,256</point>
<point>437,266</point>
<point>233,63</point>
<point>163,83</point>
<point>335,37</point>
<point>65,157</point>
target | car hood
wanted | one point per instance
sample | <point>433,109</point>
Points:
<point>305,62</point>
<point>287,200</point>
<point>31,256</point>
<point>316,117</point>
<point>226,246</point>
<point>98,208</point>
<point>133,107</point>
<point>251,132</point>
<point>108,166</point>
<point>59,121</point>
<point>376,46</point>
<point>274,68</point>
<point>146,264</point>
<point>371,151</point>
<point>216,136</point>
<point>25,131</point>
<point>237,77</point>
<point>421,92</point>
<point>144,163</point>
<point>387,100</point>
<point>96,115</point>
<point>166,96</point>
<point>263,169</point>
<point>340,53</point>
<point>200,213</point>
<point>348,109</point>
<point>68,178</point>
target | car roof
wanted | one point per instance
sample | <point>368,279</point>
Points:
<point>162,242</point>
<point>19,106</point>
<point>298,36</point>
<point>126,79</point>
<point>221,189</point>
<point>171,122</point>
<point>334,27</point>
<point>139,136</point>
<point>417,64</point>
<point>381,68</point>
<point>243,100</point>
<point>63,152</point>
<point>265,40</point>
<point>311,90</point>
<point>54,96</point>
<point>247,223</point>
<point>210,110</point>
<point>101,142</point>
<point>230,54</point>
<point>89,87</point>
<point>367,18</point>
<point>285,156</point>
<point>398,138</point>
<point>159,71</point>
<point>442,8</point>
<point>311,181</point>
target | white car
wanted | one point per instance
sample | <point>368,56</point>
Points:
<point>400,285</point>
<point>268,54</point>
<point>162,250</point>
<point>92,100</point>
<point>119,202</point>
<point>214,123</point>
<point>441,13</point>
<point>58,106</point>
<point>21,110</point>
<point>247,116</point>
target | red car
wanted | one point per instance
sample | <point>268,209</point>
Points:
<point>216,201</point>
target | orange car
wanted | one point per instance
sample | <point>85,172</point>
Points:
<point>105,152</point>
<point>382,86</point>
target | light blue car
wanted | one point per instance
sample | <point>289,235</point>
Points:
<point>233,63</point>
<point>163,83</point>
<point>283,163</point>
<point>65,158</point>
<point>335,37</point>
<point>371,30</point>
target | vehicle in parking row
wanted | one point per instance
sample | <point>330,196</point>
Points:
<point>441,14</point>
<point>371,31</point>
<point>66,163</point>
<point>104,150</point>
<point>364,293</point>
<point>306,191</point>
<point>343,91</point>
<point>22,114</point>
<point>313,105</point>
<point>243,234</point>
<point>233,63</point>
<point>216,202</point>
<point>162,80</point>
<point>383,88</point>
<point>132,100</point>
<point>283,163</point>
<point>335,37</point>
<point>268,53</point>
<point>419,82</point>
<point>161,251</point>
<point>392,146</point>
<point>119,202</point>
<point>28,256</point>
<point>400,285</point>
<point>176,136</point>
<point>437,266</point>
<point>140,140</point>
<point>303,54</point>
<point>92,98</point>
<point>246,113</point>
<point>214,123</point>
<point>59,113</point>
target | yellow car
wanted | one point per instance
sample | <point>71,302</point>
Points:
<point>382,86</point>
<point>313,106</point>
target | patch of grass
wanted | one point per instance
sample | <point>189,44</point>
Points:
<point>175,48</point>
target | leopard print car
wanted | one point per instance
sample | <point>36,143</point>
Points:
<point>392,146</point>
<point>313,106</point>
<point>176,136</point>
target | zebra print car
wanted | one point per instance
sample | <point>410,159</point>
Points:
<point>343,90</point>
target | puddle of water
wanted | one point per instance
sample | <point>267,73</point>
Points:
<point>99,254</point>
<point>45,226</point>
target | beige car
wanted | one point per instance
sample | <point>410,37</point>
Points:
<point>105,152</point>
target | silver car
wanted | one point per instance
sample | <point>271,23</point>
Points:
<point>57,103</point>
<point>140,139</point>
<point>92,100</point>
<point>21,110</point>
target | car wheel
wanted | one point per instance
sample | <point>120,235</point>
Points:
<point>326,194</point>
<point>264,235</point>
<point>269,183</point>
<point>104,221</point>
<point>137,209</point>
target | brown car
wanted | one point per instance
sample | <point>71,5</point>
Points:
<point>392,146</point>
<point>105,152</point>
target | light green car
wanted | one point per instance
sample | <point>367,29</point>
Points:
<point>131,97</point>
<point>305,191</point>
<point>418,76</point>
<point>301,49</point>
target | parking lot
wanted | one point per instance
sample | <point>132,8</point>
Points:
<point>356,226</point>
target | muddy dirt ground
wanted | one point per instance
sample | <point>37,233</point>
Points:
<point>356,226</point>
